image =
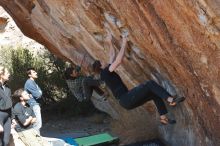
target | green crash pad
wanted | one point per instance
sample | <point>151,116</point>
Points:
<point>96,140</point>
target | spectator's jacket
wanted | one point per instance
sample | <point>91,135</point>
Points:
<point>32,88</point>
<point>5,98</point>
<point>21,113</point>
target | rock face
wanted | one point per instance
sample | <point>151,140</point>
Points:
<point>175,42</point>
<point>3,23</point>
<point>11,35</point>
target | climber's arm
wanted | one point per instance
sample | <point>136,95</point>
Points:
<point>120,56</point>
<point>111,47</point>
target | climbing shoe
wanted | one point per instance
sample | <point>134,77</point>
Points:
<point>177,100</point>
<point>166,121</point>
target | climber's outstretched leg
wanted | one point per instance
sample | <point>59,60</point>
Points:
<point>142,94</point>
<point>157,90</point>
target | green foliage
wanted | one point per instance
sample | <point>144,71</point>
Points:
<point>5,58</point>
<point>21,59</point>
<point>50,78</point>
<point>49,72</point>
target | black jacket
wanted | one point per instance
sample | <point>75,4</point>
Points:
<point>5,98</point>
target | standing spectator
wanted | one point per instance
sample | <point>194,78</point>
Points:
<point>32,88</point>
<point>5,107</point>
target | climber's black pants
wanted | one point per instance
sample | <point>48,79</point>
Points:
<point>150,90</point>
<point>89,84</point>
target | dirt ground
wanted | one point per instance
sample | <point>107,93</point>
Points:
<point>75,126</point>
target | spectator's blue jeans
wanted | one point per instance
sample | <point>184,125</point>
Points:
<point>37,111</point>
<point>150,90</point>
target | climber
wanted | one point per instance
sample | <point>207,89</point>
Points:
<point>130,99</point>
<point>82,87</point>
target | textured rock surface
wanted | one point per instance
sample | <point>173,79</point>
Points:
<point>11,35</point>
<point>175,42</point>
<point>3,23</point>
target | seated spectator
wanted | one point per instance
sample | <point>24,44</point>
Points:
<point>25,117</point>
